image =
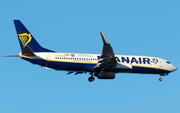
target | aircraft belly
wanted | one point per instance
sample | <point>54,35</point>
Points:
<point>148,70</point>
<point>61,65</point>
<point>35,61</point>
<point>71,66</point>
<point>123,70</point>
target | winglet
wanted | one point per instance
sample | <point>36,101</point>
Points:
<point>104,39</point>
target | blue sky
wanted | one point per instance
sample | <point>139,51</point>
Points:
<point>141,27</point>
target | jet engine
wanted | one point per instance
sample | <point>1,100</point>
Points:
<point>105,75</point>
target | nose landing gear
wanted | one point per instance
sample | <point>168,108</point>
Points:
<point>160,79</point>
<point>163,74</point>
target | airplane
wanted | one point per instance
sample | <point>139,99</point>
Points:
<point>103,66</point>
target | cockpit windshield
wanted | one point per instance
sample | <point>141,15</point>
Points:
<point>168,62</point>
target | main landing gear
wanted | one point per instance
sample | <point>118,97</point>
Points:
<point>91,79</point>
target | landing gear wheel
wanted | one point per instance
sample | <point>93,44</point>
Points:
<point>90,79</point>
<point>160,79</point>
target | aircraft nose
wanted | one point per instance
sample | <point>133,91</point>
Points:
<point>174,68</point>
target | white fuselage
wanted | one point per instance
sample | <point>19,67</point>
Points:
<point>70,60</point>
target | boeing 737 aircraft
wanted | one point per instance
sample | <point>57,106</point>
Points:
<point>103,66</point>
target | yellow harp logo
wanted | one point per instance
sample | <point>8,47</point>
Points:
<point>25,38</point>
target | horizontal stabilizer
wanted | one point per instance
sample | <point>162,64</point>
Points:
<point>12,56</point>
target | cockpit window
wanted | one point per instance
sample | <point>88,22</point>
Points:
<point>168,62</point>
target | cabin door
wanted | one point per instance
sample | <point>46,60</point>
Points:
<point>160,64</point>
<point>47,57</point>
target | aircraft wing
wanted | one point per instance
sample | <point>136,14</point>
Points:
<point>107,59</point>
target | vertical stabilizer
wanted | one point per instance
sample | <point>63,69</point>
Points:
<point>26,38</point>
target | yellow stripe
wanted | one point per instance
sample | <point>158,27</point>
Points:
<point>104,37</point>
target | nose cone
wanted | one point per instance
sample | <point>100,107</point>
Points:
<point>174,68</point>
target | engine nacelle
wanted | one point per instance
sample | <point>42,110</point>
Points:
<point>105,75</point>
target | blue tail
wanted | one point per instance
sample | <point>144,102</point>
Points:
<point>26,39</point>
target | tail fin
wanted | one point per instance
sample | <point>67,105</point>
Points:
<point>26,39</point>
